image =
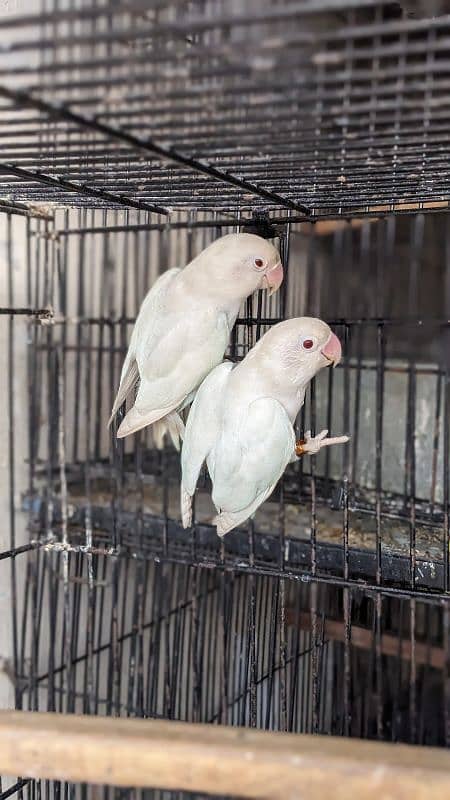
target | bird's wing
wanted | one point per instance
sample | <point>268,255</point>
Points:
<point>190,344</point>
<point>145,328</point>
<point>202,429</point>
<point>252,453</point>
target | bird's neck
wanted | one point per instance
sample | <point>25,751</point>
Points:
<point>194,288</point>
<point>266,378</point>
<point>291,398</point>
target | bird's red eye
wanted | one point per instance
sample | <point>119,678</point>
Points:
<point>308,343</point>
<point>259,263</point>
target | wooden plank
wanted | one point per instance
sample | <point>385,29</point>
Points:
<point>217,759</point>
<point>362,638</point>
<point>326,227</point>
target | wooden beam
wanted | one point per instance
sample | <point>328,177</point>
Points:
<point>217,759</point>
<point>327,227</point>
<point>362,638</point>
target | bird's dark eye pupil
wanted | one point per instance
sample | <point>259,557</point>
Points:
<point>259,262</point>
<point>307,344</point>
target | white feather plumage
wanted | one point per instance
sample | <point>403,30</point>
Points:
<point>183,329</point>
<point>241,421</point>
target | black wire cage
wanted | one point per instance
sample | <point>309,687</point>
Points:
<point>133,135</point>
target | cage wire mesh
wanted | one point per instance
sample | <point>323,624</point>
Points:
<point>325,106</point>
<point>169,125</point>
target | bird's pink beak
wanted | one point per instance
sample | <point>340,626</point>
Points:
<point>273,278</point>
<point>332,350</point>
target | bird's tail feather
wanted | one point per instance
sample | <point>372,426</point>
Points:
<point>134,420</point>
<point>186,507</point>
<point>171,424</point>
<point>127,384</point>
<point>227,520</point>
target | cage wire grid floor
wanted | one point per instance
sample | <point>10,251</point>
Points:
<point>168,125</point>
<point>317,107</point>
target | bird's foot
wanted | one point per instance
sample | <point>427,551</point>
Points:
<point>311,445</point>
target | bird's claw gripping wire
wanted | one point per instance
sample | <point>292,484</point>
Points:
<point>311,445</point>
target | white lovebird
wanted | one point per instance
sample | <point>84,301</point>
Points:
<point>241,421</point>
<point>183,329</point>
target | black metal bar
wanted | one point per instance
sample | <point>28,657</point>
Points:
<point>244,221</point>
<point>15,788</point>
<point>17,551</point>
<point>69,186</point>
<point>41,313</point>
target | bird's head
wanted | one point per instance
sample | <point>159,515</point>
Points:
<point>238,264</point>
<point>302,347</point>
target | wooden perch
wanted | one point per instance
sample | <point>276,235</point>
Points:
<point>217,759</point>
<point>326,227</point>
<point>363,639</point>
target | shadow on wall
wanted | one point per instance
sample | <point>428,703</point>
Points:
<point>393,268</point>
<point>396,270</point>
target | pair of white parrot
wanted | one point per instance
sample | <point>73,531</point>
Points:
<point>241,418</point>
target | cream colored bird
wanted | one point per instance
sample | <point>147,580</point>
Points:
<point>183,329</point>
<point>241,421</point>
